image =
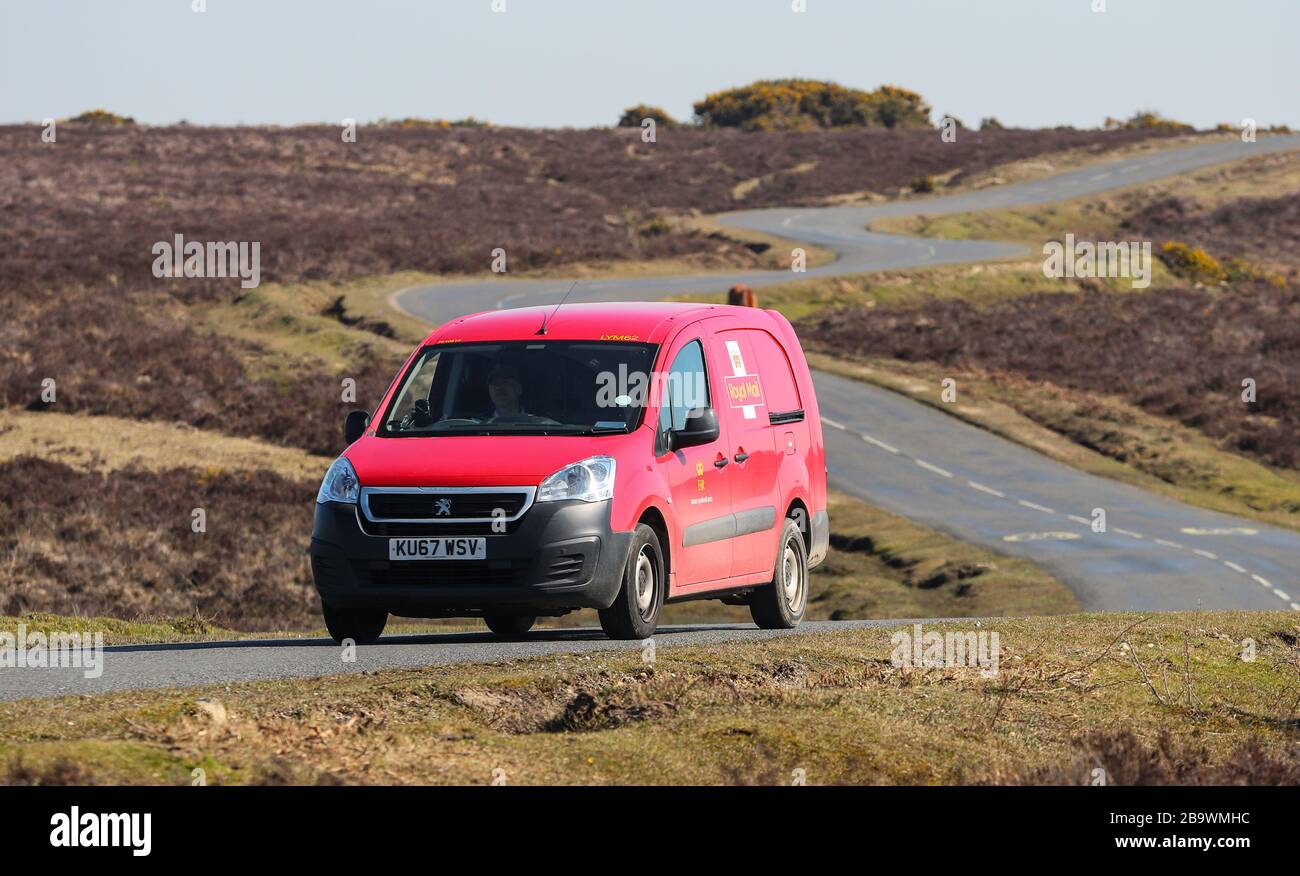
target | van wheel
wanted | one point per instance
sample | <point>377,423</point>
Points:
<point>510,626</point>
<point>361,625</point>
<point>635,612</point>
<point>780,606</point>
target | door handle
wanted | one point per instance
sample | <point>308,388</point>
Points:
<point>721,462</point>
<point>742,456</point>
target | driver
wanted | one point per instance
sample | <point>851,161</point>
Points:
<point>506,390</point>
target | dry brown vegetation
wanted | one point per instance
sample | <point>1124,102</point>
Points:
<point>1128,759</point>
<point>1261,230</point>
<point>1179,353</point>
<point>140,356</point>
<point>77,542</point>
<point>87,209</point>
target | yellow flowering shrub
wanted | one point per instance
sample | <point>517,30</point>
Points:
<point>808,104</point>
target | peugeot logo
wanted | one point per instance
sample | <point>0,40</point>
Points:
<point>442,508</point>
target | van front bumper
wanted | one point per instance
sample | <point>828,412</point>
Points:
<point>558,557</point>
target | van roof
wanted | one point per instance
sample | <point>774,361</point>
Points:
<point>642,321</point>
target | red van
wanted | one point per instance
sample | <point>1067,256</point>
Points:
<point>532,462</point>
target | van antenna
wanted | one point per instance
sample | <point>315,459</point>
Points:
<point>542,330</point>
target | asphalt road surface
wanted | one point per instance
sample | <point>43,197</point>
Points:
<point>138,667</point>
<point>1156,554</point>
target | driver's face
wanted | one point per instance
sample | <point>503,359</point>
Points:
<point>505,392</point>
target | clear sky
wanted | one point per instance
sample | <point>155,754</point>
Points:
<point>578,63</point>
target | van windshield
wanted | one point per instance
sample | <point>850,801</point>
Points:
<point>521,388</point>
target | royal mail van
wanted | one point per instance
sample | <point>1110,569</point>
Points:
<point>532,462</point>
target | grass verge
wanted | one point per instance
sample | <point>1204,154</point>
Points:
<point>1163,699</point>
<point>194,628</point>
<point>980,283</point>
<point>107,444</point>
<point>283,330</point>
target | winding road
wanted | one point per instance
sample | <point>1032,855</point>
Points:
<point>1156,554</point>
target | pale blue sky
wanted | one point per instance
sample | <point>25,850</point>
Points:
<point>579,62</point>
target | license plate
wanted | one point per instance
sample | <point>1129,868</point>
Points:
<point>437,548</point>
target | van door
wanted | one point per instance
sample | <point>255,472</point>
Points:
<point>699,489</point>
<point>785,412</point>
<point>755,456</point>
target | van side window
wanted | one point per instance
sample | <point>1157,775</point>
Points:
<point>778,379</point>
<point>687,387</point>
<point>418,386</point>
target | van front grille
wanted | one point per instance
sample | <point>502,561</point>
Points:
<point>432,529</point>
<point>433,505</point>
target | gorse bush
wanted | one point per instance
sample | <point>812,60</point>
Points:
<point>1192,262</point>
<point>415,122</point>
<point>633,116</point>
<point>102,117</point>
<point>806,104</point>
<point>1197,265</point>
<point>1147,120</point>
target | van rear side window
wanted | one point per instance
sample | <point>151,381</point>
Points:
<point>778,378</point>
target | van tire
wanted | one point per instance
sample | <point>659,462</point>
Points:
<point>510,626</point>
<point>362,625</point>
<point>780,605</point>
<point>635,612</point>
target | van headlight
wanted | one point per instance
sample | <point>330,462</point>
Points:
<point>340,484</point>
<point>591,480</point>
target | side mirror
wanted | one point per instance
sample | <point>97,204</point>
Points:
<point>701,428</point>
<point>354,426</point>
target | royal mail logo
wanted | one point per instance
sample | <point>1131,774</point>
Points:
<point>745,391</point>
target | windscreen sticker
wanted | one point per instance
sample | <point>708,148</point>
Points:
<point>744,389</point>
